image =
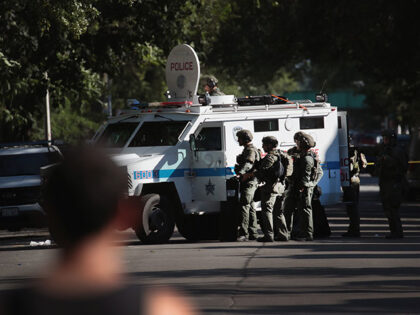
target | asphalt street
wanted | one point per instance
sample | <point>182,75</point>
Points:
<point>331,275</point>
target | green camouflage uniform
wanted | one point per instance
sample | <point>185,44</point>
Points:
<point>298,203</point>
<point>269,192</point>
<point>280,226</point>
<point>391,167</point>
<point>248,217</point>
<point>351,193</point>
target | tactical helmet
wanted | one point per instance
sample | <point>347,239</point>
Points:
<point>245,135</point>
<point>212,81</point>
<point>270,140</point>
<point>305,139</point>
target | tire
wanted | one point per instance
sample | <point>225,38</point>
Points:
<point>158,223</point>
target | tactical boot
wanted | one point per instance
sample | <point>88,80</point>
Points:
<point>303,239</point>
<point>281,239</point>
<point>242,238</point>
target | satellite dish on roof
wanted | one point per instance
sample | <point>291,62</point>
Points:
<point>183,72</point>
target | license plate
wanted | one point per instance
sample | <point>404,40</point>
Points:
<point>9,212</point>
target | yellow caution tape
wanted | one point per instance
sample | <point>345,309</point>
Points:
<point>409,162</point>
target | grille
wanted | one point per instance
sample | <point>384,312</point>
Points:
<point>129,182</point>
<point>19,196</point>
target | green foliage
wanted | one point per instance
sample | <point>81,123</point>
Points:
<point>68,125</point>
<point>372,42</point>
<point>253,47</point>
<point>280,83</point>
<point>76,42</point>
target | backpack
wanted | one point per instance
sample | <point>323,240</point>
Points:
<point>279,169</point>
<point>287,162</point>
<point>317,172</point>
<point>284,166</point>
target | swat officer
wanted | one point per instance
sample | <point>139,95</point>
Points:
<point>265,173</point>
<point>357,160</point>
<point>391,166</point>
<point>298,197</point>
<point>246,162</point>
<point>211,87</point>
<point>280,226</point>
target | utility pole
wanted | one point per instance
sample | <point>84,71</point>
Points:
<point>109,96</point>
<point>47,113</point>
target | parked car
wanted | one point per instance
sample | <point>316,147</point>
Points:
<point>20,183</point>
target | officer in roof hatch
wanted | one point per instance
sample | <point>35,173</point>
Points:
<point>211,86</point>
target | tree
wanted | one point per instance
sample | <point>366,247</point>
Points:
<point>372,42</point>
<point>76,42</point>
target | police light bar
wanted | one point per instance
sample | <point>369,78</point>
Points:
<point>176,104</point>
<point>262,100</point>
<point>204,99</point>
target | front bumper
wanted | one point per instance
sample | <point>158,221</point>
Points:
<point>18,216</point>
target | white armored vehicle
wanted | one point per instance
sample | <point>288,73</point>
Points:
<point>180,154</point>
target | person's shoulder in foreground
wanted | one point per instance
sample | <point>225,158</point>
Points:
<point>83,197</point>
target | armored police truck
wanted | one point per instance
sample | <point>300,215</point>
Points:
<point>180,154</point>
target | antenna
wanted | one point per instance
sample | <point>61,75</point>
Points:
<point>321,96</point>
<point>322,88</point>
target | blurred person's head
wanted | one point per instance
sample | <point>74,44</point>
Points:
<point>81,196</point>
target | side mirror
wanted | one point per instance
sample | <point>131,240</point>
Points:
<point>193,146</point>
<point>192,143</point>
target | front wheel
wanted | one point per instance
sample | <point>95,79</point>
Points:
<point>157,221</point>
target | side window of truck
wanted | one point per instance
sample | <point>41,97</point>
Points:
<point>158,133</point>
<point>209,139</point>
<point>311,123</point>
<point>266,125</point>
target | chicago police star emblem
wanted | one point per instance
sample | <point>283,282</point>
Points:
<point>210,188</point>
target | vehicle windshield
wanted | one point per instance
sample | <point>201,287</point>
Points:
<point>116,135</point>
<point>158,133</point>
<point>26,164</point>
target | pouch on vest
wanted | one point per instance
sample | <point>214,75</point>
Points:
<point>287,162</point>
<point>279,171</point>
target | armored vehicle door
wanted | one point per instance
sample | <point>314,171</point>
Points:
<point>232,145</point>
<point>208,169</point>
